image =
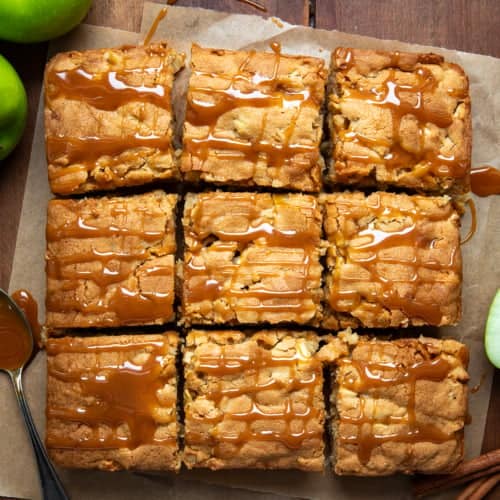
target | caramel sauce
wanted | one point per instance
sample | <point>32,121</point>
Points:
<point>275,47</point>
<point>211,284</point>
<point>29,306</point>
<point>86,226</point>
<point>108,91</point>
<point>473,226</point>
<point>485,181</point>
<point>87,150</point>
<point>112,394</point>
<point>223,365</point>
<point>404,100</point>
<point>369,250</point>
<point>154,26</point>
<point>114,267</point>
<point>476,387</point>
<point>368,376</point>
<point>246,89</point>
<point>16,344</point>
<point>105,91</point>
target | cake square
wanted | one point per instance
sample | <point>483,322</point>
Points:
<point>392,260</point>
<point>251,258</point>
<point>253,401</point>
<point>108,117</point>
<point>110,261</point>
<point>111,402</point>
<point>254,119</point>
<point>401,120</point>
<point>400,406</point>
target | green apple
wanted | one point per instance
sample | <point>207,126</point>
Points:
<point>13,108</point>
<point>492,332</point>
<point>28,21</point>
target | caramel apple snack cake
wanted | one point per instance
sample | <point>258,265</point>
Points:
<point>110,261</point>
<point>109,119</point>
<point>111,402</point>
<point>399,406</point>
<point>392,260</point>
<point>251,258</point>
<point>399,120</point>
<point>253,401</point>
<point>254,119</point>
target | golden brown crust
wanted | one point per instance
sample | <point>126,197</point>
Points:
<point>251,258</point>
<point>254,118</point>
<point>233,381</point>
<point>80,440</point>
<point>400,119</point>
<point>393,260</point>
<point>418,401</point>
<point>91,133</point>
<point>110,261</point>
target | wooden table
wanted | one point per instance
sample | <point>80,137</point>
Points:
<point>470,25</point>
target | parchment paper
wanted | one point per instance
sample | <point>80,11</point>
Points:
<point>18,476</point>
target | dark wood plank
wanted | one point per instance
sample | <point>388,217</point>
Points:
<point>459,24</point>
<point>121,14</point>
<point>128,14</point>
<point>292,11</point>
<point>29,61</point>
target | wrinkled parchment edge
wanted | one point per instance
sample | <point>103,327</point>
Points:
<point>216,29</point>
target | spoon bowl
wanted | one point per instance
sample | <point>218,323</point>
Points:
<point>16,338</point>
<point>16,349</point>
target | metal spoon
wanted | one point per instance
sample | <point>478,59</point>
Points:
<point>51,485</point>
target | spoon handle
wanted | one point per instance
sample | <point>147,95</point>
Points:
<point>52,487</point>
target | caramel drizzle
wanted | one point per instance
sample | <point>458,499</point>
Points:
<point>115,266</point>
<point>368,376</point>
<point>87,150</point>
<point>112,394</point>
<point>473,226</point>
<point>485,181</point>
<point>84,154</point>
<point>206,105</point>
<point>369,253</point>
<point>250,366</point>
<point>154,26</point>
<point>403,100</point>
<point>212,284</point>
<point>107,91</point>
<point>15,342</point>
<point>27,303</point>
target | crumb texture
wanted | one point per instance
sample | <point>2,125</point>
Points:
<point>108,117</point>
<point>251,258</point>
<point>400,406</point>
<point>253,401</point>
<point>254,118</point>
<point>110,261</point>
<point>399,119</point>
<point>111,402</point>
<point>392,260</point>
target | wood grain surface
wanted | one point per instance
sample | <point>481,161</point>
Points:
<point>471,25</point>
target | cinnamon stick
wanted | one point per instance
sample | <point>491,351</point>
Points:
<point>472,488</point>
<point>476,468</point>
<point>485,488</point>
